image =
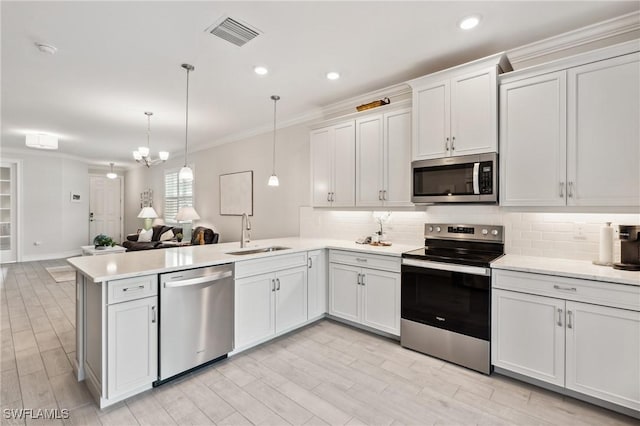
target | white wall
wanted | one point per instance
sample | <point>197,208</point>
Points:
<point>547,234</point>
<point>275,209</point>
<point>47,214</point>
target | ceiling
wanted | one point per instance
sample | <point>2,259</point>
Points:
<point>116,60</point>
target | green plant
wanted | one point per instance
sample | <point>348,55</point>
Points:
<point>102,240</point>
<point>179,236</point>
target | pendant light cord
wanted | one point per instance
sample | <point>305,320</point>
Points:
<point>186,120</point>
<point>148,131</point>
<point>275,101</point>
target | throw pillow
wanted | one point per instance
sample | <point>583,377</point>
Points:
<point>145,236</point>
<point>167,235</point>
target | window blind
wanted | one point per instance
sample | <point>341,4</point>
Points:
<point>176,194</point>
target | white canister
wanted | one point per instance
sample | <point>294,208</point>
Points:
<point>606,244</point>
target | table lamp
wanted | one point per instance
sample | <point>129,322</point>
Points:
<point>148,214</point>
<point>187,214</point>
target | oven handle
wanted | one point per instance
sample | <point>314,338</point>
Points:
<point>473,270</point>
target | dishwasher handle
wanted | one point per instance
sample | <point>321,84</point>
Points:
<point>200,280</point>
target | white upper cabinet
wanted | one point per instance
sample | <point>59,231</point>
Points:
<point>603,132</point>
<point>533,141</point>
<point>383,159</point>
<point>333,165</point>
<point>572,136</point>
<point>455,111</point>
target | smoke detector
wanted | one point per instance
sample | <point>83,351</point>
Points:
<point>233,30</point>
<point>46,48</point>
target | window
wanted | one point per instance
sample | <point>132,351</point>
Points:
<point>176,194</point>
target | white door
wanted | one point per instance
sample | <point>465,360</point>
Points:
<point>431,124</point>
<point>344,291</point>
<point>291,298</point>
<point>344,165</point>
<point>316,283</point>
<point>397,158</point>
<point>254,309</point>
<point>603,133</point>
<point>369,161</point>
<point>527,334</point>
<point>381,300</point>
<point>474,111</point>
<point>603,353</point>
<point>321,166</point>
<point>132,345</point>
<point>105,208</point>
<point>533,141</point>
<point>8,212</point>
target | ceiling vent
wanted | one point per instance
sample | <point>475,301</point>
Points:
<point>233,31</point>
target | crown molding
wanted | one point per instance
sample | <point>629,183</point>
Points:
<point>30,152</point>
<point>581,36</point>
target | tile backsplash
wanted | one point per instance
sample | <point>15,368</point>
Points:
<point>559,235</point>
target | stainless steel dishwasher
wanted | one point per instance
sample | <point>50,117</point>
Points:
<point>196,319</point>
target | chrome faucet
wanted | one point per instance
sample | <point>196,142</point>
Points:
<point>245,234</point>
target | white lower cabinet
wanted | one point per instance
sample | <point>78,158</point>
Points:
<point>584,347</point>
<point>364,295</point>
<point>271,303</point>
<point>316,284</point>
<point>132,342</point>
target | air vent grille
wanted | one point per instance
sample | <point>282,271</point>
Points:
<point>233,31</point>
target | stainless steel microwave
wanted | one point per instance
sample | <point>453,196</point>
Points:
<point>464,179</point>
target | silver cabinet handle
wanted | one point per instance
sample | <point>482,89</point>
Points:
<point>140,287</point>
<point>273,285</point>
<point>309,262</point>
<point>332,196</point>
<point>453,143</point>
<point>361,259</point>
<point>557,287</point>
<point>362,280</point>
<point>328,196</point>
<point>561,189</point>
<point>358,281</point>
<point>559,317</point>
<point>570,190</point>
<point>380,195</point>
<point>446,145</point>
<point>384,194</point>
<point>569,319</point>
<point>278,281</point>
<point>153,314</point>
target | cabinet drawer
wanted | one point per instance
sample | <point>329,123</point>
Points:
<point>270,264</point>
<point>365,260</point>
<point>596,292</point>
<point>131,288</point>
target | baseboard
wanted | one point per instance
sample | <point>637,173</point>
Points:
<point>50,256</point>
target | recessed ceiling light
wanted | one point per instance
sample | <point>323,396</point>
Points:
<point>260,70</point>
<point>333,75</point>
<point>469,22</point>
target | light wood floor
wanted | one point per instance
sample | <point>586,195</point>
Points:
<point>327,373</point>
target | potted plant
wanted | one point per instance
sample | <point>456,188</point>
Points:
<point>102,241</point>
<point>179,237</point>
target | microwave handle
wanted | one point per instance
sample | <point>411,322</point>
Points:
<point>476,178</point>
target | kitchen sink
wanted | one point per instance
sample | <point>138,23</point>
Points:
<point>259,250</point>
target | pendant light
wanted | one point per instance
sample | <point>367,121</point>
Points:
<point>111,174</point>
<point>273,179</point>
<point>186,174</point>
<point>142,154</point>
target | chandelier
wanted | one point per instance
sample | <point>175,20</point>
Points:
<point>142,155</point>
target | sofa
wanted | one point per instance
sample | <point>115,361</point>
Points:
<point>132,243</point>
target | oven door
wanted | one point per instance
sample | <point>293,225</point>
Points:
<point>447,296</point>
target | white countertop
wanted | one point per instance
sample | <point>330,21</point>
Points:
<point>136,263</point>
<point>566,268</point>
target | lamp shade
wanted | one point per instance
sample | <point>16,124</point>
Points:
<point>187,213</point>
<point>147,213</point>
<point>185,174</point>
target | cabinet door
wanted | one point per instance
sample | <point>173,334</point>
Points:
<point>528,334</point>
<point>321,142</point>
<point>344,164</point>
<point>344,291</point>
<point>317,284</point>
<point>132,345</point>
<point>254,309</point>
<point>431,121</point>
<point>381,300</point>
<point>603,133</point>
<point>291,298</point>
<point>533,141</point>
<point>603,353</point>
<point>397,158</point>
<point>369,161</point>
<point>474,113</point>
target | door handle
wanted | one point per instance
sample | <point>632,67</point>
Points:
<point>362,280</point>
<point>453,143</point>
<point>153,314</point>
<point>557,287</point>
<point>359,276</point>
<point>278,281</point>
<point>380,195</point>
<point>559,317</point>
<point>570,319</point>
<point>384,194</point>
<point>273,285</point>
<point>329,196</point>
<point>446,144</point>
<point>570,190</point>
<point>309,262</point>
<point>333,196</point>
<point>561,189</point>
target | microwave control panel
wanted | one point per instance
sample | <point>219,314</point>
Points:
<point>485,177</point>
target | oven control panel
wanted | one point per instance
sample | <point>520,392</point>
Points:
<point>491,233</point>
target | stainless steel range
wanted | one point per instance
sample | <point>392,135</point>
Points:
<point>446,293</point>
